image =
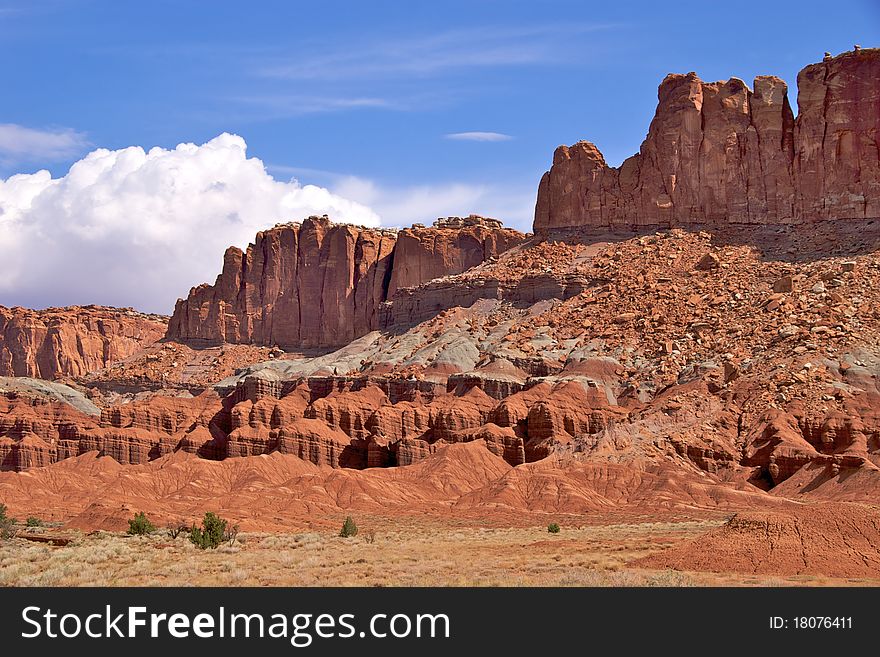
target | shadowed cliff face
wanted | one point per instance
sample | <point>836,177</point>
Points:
<point>720,153</point>
<point>319,284</point>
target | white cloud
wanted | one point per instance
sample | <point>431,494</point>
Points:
<point>21,144</point>
<point>478,136</point>
<point>130,227</point>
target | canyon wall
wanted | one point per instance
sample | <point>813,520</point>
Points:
<point>320,284</point>
<point>719,153</point>
<point>71,341</point>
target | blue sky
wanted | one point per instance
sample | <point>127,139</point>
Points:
<point>366,98</point>
<point>370,89</point>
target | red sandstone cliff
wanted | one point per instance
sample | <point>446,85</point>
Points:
<point>423,254</point>
<point>720,153</point>
<point>71,341</point>
<point>320,284</point>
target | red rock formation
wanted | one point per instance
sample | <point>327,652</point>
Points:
<point>21,416</point>
<point>312,440</point>
<point>71,341</point>
<point>837,137</point>
<point>29,452</point>
<point>423,254</point>
<point>348,411</point>
<point>319,284</point>
<point>309,284</point>
<point>164,414</point>
<point>454,414</point>
<point>721,153</point>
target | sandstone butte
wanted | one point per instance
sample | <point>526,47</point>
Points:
<point>727,369</point>
<point>72,341</point>
<point>720,153</point>
<point>320,284</point>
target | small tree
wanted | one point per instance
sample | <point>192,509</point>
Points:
<point>211,534</point>
<point>553,528</point>
<point>33,521</point>
<point>140,525</point>
<point>349,529</point>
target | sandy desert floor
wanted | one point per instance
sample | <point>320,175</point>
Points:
<point>407,552</point>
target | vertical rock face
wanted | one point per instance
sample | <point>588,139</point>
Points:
<point>311,284</point>
<point>720,153</point>
<point>71,341</point>
<point>319,284</point>
<point>837,137</point>
<point>450,247</point>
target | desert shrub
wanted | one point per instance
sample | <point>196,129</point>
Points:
<point>231,534</point>
<point>349,529</point>
<point>210,534</point>
<point>370,536</point>
<point>7,524</point>
<point>33,521</point>
<point>553,528</point>
<point>140,525</point>
<point>174,532</point>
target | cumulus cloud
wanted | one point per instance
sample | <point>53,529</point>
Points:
<point>135,227</point>
<point>21,144</point>
<point>478,136</point>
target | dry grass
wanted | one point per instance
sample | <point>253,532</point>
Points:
<point>409,553</point>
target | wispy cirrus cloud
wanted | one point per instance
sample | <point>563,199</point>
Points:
<point>428,55</point>
<point>269,106</point>
<point>22,144</point>
<point>478,136</point>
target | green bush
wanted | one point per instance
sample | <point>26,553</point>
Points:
<point>553,528</point>
<point>349,529</point>
<point>140,525</point>
<point>7,524</point>
<point>33,521</point>
<point>211,534</point>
